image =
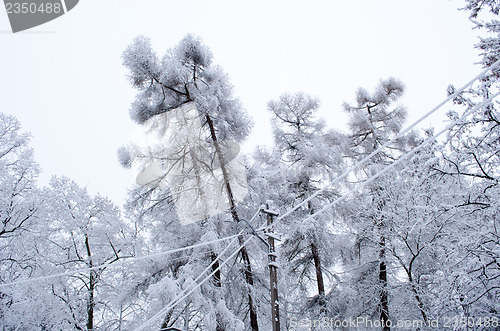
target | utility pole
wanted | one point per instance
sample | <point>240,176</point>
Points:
<point>273,270</point>
<point>186,317</point>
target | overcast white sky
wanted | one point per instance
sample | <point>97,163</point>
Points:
<point>65,82</point>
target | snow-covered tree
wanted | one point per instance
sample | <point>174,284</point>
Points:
<point>304,157</point>
<point>49,231</point>
<point>18,172</point>
<point>83,232</point>
<point>19,216</point>
<point>185,75</point>
<point>307,152</point>
<point>422,223</point>
<point>472,156</point>
<point>374,120</point>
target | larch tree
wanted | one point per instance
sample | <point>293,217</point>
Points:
<point>186,75</point>
<point>374,121</point>
<point>305,157</point>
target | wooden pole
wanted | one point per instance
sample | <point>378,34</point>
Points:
<point>273,273</point>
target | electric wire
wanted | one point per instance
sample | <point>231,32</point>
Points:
<point>401,158</point>
<point>178,298</point>
<point>176,301</point>
<point>380,148</point>
<point>117,263</point>
<point>123,261</point>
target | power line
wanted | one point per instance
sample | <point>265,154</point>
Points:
<point>179,299</point>
<point>402,158</point>
<point>117,263</point>
<point>399,135</point>
<point>127,260</point>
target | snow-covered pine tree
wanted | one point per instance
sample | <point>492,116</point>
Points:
<point>185,74</point>
<point>305,156</point>
<point>374,121</point>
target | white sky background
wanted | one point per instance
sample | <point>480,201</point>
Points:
<point>65,82</point>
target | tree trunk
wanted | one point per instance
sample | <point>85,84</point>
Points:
<point>420,303</point>
<point>382,273</point>
<point>215,267</point>
<point>319,279</point>
<point>243,251</point>
<point>91,303</point>
<point>319,273</point>
<point>384,302</point>
<point>217,284</point>
<point>166,321</point>
<point>225,174</point>
<point>414,289</point>
<point>249,279</point>
<point>92,281</point>
<point>317,265</point>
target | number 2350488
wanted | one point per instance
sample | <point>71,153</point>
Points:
<point>32,8</point>
<point>462,321</point>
